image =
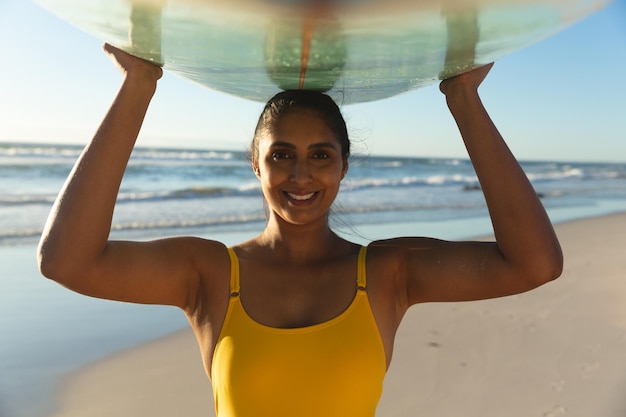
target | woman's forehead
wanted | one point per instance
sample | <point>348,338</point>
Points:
<point>301,126</point>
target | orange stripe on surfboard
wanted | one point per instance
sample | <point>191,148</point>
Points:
<point>307,37</point>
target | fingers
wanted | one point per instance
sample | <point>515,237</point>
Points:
<point>472,79</point>
<point>128,63</point>
<point>109,48</point>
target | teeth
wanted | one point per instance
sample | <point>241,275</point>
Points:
<point>300,197</point>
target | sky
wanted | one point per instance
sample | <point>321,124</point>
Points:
<point>563,98</point>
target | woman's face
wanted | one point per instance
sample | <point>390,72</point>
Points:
<point>300,166</point>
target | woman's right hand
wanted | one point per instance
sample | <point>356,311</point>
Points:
<point>129,64</point>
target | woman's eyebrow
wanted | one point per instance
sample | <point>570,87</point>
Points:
<point>323,145</point>
<point>280,144</point>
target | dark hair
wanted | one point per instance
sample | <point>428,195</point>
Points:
<point>287,101</point>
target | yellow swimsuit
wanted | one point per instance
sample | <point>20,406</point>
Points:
<point>331,369</point>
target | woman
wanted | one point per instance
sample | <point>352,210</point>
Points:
<point>296,321</point>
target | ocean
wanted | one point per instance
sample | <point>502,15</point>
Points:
<point>182,191</point>
<point>47,331</point>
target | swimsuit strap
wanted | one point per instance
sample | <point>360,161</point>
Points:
<point>361,279</point>
<point>234,273</point>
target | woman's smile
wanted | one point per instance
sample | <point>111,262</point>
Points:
<point>300,198</point>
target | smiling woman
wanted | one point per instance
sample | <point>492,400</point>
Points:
<point>300,154</point>
<point>297,320</point>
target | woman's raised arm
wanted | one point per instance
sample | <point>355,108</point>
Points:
<point>74,249</point>
<point>526,253</point>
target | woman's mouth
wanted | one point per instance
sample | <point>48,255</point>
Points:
<point>301,197</point>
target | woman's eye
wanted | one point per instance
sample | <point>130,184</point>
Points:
<point>321,155</point>
<point>280,155</point>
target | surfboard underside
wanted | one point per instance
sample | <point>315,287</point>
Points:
<point>356,50</point>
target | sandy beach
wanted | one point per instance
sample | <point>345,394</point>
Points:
<point>556,351</point>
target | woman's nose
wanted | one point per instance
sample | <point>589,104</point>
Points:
<point>301,172</point>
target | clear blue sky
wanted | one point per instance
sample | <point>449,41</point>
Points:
<point>563,98</point>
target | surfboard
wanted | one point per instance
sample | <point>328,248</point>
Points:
<point>355,50</point>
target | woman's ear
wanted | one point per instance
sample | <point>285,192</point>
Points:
<point>344,170</point>
<point>255,167</point>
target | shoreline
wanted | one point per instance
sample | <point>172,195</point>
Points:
<point>550,352</point>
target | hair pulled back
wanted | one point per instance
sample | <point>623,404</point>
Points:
<point>288,101</point>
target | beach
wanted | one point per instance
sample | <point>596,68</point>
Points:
<point>555,351</point>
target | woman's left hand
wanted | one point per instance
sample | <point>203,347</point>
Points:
<point>470,80</point>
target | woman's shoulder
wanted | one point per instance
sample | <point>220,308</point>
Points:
<point>399,246</point>
<point>196,246</point>
<point>210,257</point>
<point>391,256</point>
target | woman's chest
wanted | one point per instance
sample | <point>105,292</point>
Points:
<point>296,296</point>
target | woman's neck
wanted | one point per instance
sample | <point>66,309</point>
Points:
<point>300,243</point>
